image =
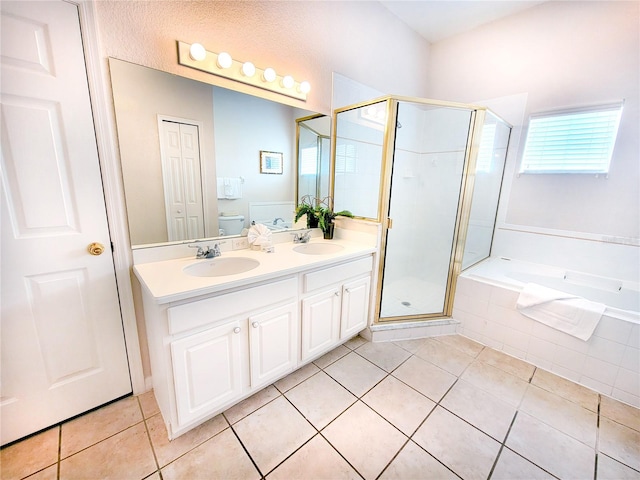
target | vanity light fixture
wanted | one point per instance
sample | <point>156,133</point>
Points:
<point>197,52</point>
<point>269,75</point>
<point>196,56</point>
<point>248,69</point>
<point>287,81</point>
<point>224,60</point>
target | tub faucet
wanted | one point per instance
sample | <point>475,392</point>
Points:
<point>301,237</point>
<point>207,252</point>
<point>275,222</point>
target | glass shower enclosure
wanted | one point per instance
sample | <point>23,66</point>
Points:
<point>430,172</point>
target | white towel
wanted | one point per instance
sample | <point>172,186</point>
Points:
<point>571,314</point>
<point>229,187</point>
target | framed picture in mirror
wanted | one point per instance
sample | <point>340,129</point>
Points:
<point>270,162</point>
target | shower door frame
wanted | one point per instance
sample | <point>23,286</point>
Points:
<point>476,123</point>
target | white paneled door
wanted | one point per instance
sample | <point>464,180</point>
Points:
<point>62,339</point>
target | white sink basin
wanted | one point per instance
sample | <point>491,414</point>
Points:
<point>220,267</point>
<point>318,248</point>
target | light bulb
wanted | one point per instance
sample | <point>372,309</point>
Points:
<point>287,81</point>
<point>269,75</point>
<point>248,69</point>
<point>304,87</point>
<point>197,52</point>
<point>224,60</point>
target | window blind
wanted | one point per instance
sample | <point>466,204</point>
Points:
<point>485,153</point>
<point>575,141</point>
<point>309,161</point>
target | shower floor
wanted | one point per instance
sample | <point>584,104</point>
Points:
<point>411,296</point>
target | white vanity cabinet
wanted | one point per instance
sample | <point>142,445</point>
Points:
<point>335,305</point>
<point>207,370</point>
<point>211,348</point>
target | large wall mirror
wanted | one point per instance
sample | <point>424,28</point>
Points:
<point>200,161</point>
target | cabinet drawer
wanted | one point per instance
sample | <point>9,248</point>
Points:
<point>211,310</point>
<point>339,273</point>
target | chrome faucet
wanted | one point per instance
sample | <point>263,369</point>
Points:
<point>207,252</point>
<point>301,237</point>
<point>275,222</point>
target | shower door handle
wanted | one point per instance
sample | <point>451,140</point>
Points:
<point>389,223</point>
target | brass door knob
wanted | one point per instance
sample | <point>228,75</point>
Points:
<point>96,248</point>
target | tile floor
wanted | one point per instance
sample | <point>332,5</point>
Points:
<point>437,408</point>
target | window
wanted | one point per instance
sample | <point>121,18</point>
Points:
<point>309,161</point>
<point>485,154</point>
<point>345,158</point>
<point>572,141</point>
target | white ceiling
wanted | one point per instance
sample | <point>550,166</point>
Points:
<point>436,20</point>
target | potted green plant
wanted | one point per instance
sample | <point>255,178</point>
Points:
<point>306,207</point>
<point>326,215</point>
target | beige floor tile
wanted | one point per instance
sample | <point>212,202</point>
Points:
<point>148,404</point>
<point>464,449</point>
<point>154,476</point>
<point>355,342</point>
<point>620,443</point>
<point>330,357</point>
<point>315,460</point>
<point>554,451</point>
<point>221,457</point>
<point>481,409</point>
<point>561,414</point>
<point>444,356</point>
<point>566,388</point>
<point>399,404</point>
<point>414,463</point>
<point>609,469</point>
<point>98,425</point>
<point>320,399</point>
<point>620,412</point>
<point>167,451</point>
<point>411,345</point>
<point>49,473</point>
<point>385,355</point>
<point>367,441</point>
<point>519,368</point>
<point>273,432</point>
<point>425,377</point>
<point>251,404</point>
<point>126,455</point>
<point>497,382</point>
<point>294,378</point>
<point>464,344</point>
<point>355,373</point>
<point>511,466</point>
<point>30,455</point>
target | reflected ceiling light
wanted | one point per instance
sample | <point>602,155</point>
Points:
<point>224,60</point>
<point>197,52</point>
<point>248,69</point>
<point>269,75</point>
<point>288,81</point>
<point>196,56</point>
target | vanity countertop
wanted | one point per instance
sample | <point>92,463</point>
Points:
<point>167,282</point>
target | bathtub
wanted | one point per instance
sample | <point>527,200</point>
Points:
<point>609,362</point>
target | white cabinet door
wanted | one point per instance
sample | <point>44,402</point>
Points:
<point>63,349</point>
<point>273,343</point>
<point>207,369</point>
<point>355,307</point>
<point>320,322</point>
